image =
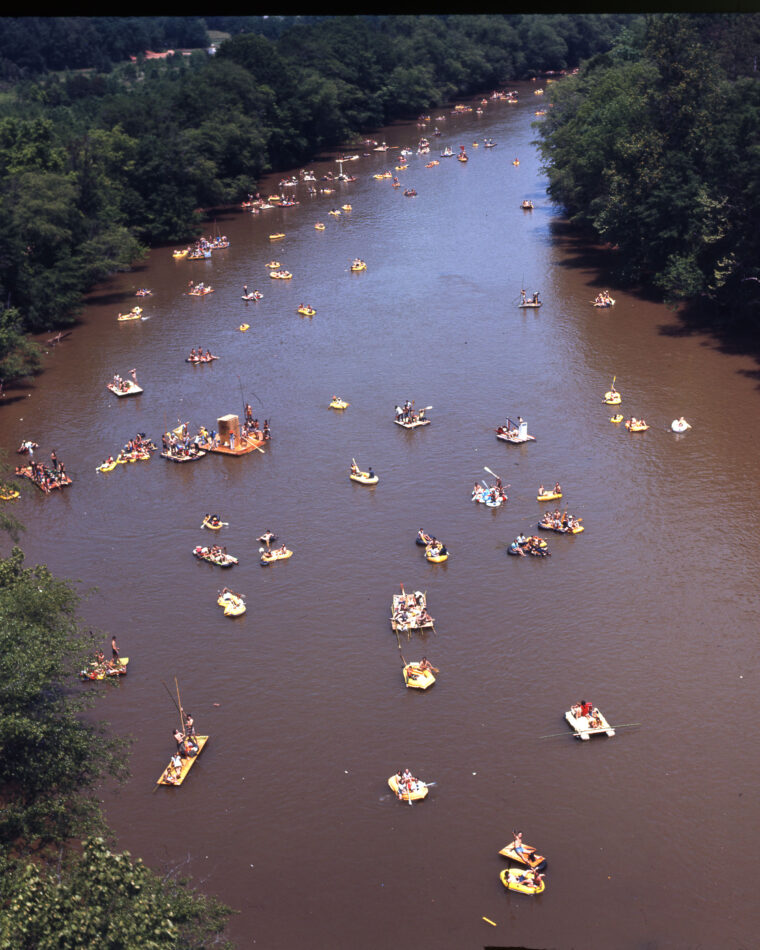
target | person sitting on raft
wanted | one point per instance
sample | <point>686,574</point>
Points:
<point>425,664</point>
<point>354,468</point>
<point>516,548</point>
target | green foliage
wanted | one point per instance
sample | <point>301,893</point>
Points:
<point>52,759</point>
<point>103,899</point>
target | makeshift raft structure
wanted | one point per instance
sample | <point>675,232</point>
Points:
<point>528,856</point>
<point>101,671</point>
<point>169,777</point>
<point>230,441</point>
<point>584,728</point>
<point>514,432</point>
<point>409,612</point>
<point>127,388</point>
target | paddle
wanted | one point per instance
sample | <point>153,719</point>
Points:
<point>622,725</point>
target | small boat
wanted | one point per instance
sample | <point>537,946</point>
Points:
<point>617,418</point>
<point>414,792</point>
<point>407,418</point>
<point>559,528</point>
<point>213,523</point>
<point>436,553</point>
<point>244,326</point>
<point>276,237</point>
<point>107,466</point>
<point>516,161</point>
<point>548,495</point>
<point>347,207</point>
<point>526,205</point>
<point>447,152</point>
<point>409,612</point>
<point>364,478</point>
<point>416,678</point>
<point>529,856</point>
<point>306,311</point>
<point>101,671</point>
<point>530,304</point>
<point>9,494</point>
<point>338,403</point>
<point>410,193</point>
<point>679,425</point>
<point>269,557</point>
<point>612,398</point>
<point>516,879</point>
<point>234,605</point>
<point>515,433</point>
<point>273,265</point>
<point>200,291</point>
<point>358,266</point>
<point>636,425</point>
<point>177,457</point>
<point>253,295</point>
<point>221,560</point>
<point>128,388</point>
<point>584,726</point>
<point>280,274</point>
<point>134,314</point>
<point>603,303</point>
<point>319,226</point>
<point>168,776</point>
<point>180,255</point>
<point>487,497</point>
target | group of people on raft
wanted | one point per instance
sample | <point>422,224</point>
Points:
<point>410,610</point>
<point>100,667</point>
<point>603,299</point>
<point>489,496</point>
<point>124,385</point>
<point>199,290</point>
<point>433,546</point>
<point>187,748</point>
<point>559,521</point>
<point>586,710</point>
<point>196,356</point>
<point>406,783</point>
<point>182,447</point>
<point>216,553</point>
<point>533,300</point>
<point>133,449</point>
<point>44,477</point>
<point>406,413</point>
<point>522,546</point>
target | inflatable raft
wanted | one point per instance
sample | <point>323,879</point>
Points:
<point>134,314</point>
<point>616,418</point>
<point>364,478</point>
<point>638,426</point>
<point>339,404</point>
<point>612,398</point>
<point>269,557</point>
<point>306,311</point>
<point>548,496</point>
<point>221,560</point>
<point>436,558</point>
<point>98,671</point>
<point>679,425</point>
<point>233,604</point>
<point>358,267</point>
<point>517,879</point>
<point>415,678</point>
<point>415,793</point>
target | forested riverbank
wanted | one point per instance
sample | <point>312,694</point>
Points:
<point>97,165</point>
<point>653,146</point>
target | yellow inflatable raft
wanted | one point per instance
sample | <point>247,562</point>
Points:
<point>638,426</point>
<point>180,255</point>
<point>435,558</point>
<point>9,494</point>
<point>319,226</point>
<point>276,237</point>
<point>306,311</point>
<point>347,207</point>
<point>357,267</point>
<point>522,880</point>
<point>548,495</point>
<point>612,398</point>
<point>415,678</point>
<point>272,265</point>
<point>244,326</point>
<point>339,404</point>
<point>417,792</point>
<point>233,604</point>
<point>106,466</point>
<point>617,418</point>
<point>364,478</point>
<point>269,557</point>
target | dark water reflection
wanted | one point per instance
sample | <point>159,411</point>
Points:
<point>651,612</point>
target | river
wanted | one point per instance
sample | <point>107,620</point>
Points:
<point>651,613</point>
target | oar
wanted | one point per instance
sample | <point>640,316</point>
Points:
<point>623,725</point>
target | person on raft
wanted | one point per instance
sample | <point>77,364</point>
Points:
<point>425,664</point>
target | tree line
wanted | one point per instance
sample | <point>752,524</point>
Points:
<point>653,146</point>
<point>97,164</point>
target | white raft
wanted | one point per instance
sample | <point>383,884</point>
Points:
<point>582,727</point>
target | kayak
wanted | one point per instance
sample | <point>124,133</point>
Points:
<point>101,671</point>
<point>233,604</point>
<point>269,557</point>
<point>548,496</point>
<point>415,678</point>
<point>167,777</point>
<point>418,791</point>
<point>339,404</point>
<point>364,478</point>
<point>515,879</point>
<point>535,861</point>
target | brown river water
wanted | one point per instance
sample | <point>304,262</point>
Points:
<point>650,614</point>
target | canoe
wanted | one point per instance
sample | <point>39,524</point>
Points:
<point>581,725</point>
<point>269,557</point>
<point>530,857</point>
<point>612,399</point>
<point>187,764</point>
<point>415,678</point>
<point>101,672</point>
<point>418,791</point>
<point>511,879</point>
<point>306,311</point>
<point>363,478</point>
<point>339,404</point>
<point>636,426</point>
<point>548,496</point>
<point>132,390</point>
<point>617,418</point>
<point>233,605</point>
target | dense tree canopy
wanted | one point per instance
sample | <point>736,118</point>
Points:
<point>654,147</point>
